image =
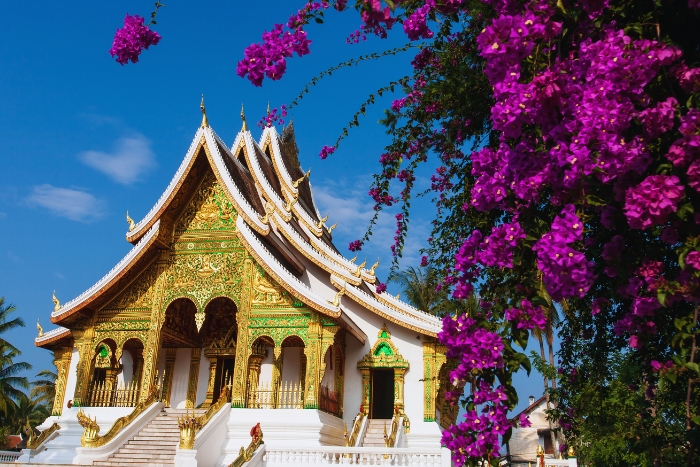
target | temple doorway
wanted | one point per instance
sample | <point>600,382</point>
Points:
<point>382,393</point>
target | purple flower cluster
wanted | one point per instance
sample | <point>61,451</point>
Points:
<point>274,116</point>
<point>651,202</point>
<point>355,245</point>
<point>566,272</point>
<point>269,57</point>
<point>130,40</point>
<point>497,249</point>
<point>416,26</point>
<point>475,347</point>
<point>527,316</point>
<point>326,151</point>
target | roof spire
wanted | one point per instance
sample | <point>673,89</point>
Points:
<point>268,107</point>
<point>245,126</point>
<point>205,122</point>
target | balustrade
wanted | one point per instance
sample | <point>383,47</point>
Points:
<point>328,455</point>
<point>107,394</point>
<point>287,395</point>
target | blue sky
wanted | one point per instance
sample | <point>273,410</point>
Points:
<point>86,139</point>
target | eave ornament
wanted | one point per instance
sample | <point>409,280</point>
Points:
<point>39,328</point>
<point>56,303</point>
<point>130,221</point>
<point>321,221</point>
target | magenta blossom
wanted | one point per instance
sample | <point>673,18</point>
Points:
<point>651,202</point>
<point>130,40</point>
<point>692,259</point>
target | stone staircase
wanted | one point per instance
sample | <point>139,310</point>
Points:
<point>154,445</point>
<point>374,436</point>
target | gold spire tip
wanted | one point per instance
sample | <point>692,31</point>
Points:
<point>268,107</point>
<point>205,122</point>
<point>245,126</point>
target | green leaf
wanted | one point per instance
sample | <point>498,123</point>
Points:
<point>695,419</point>
<point>319,20</point>
<point>693,366</point>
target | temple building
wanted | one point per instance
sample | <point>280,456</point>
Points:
<point>235,311</point>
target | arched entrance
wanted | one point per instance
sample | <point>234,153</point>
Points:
<point>383,370</point>
<point>219,334</point>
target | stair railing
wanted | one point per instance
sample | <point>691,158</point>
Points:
<point>91,437</point>
<point>35,442</point>
<point>354,434</point>
<point>246,454</point>
<point>190,425</point>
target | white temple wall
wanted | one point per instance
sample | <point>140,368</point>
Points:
<point>181,376</point>
<point>72,377</point>
<point>202,378</point>
<point>410,346</point>
<point>291,364</point>
<point>126,375</point>
<point>318,280</point>
<point>266,367</point>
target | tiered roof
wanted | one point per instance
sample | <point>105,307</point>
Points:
<point>278,222</point>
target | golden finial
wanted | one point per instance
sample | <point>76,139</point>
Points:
<point>398,296</point>
<point>56,303</point>
<point>268,107</point>
<point>245,126</point>
<point>570,452</point>
<point>540,451</point>
<point>359,268</point>
<point>374,267</point>
<point>330,229</point>
<point>39,328</point>
<point>205,122</point>
<point>132,225</point>
<point>354,259</point>
<point>320,223</point>
<point>336,299</point>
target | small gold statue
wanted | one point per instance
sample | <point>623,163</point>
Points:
<point>56,303</point>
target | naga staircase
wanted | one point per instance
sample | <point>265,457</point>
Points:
<point>154,445</point>
<point>374,436</point>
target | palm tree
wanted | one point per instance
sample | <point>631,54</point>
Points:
<point>27,412</point>
<point>11,384</point>
<point>44,389</point>
<point>419,286</point>
<point>8,324</point>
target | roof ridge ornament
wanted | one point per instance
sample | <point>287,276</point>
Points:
<point>245,125</point>
<point>56,303</point>
<point>205,122</point>
<point>355,258</point>
<point>132,224</point>
<point>268,107</point>
<point>296,183</point>
<point>358,272</point>
<point>269,209</point>
<point>374,267</point>
<point>291,202</point>
<point>321,221</point>
<point>330,229</point>
<point>336,299</point>
<point>39,328</point>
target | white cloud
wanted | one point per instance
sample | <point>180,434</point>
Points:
<point>130,158</point>
<point>75,205</point>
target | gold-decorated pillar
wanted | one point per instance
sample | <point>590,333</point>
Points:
<point>170,354</point>
<point>313,362</point>
<point>276,374</point>
<point>84,342</point>
<point>209,400</point>
<point>365,390</point>
<point>398,388</point>
<point>254,364</point>
<point>152,345</point>
<point>62,358</point>
<point>195,359</point>
<point>428,382</point>
<point>243,349</point>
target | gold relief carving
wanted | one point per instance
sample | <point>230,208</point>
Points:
<point>62,359</point>
<point>243,350</point>
<point>267,292</point>
<point>131,325</point>
<point>195,358</point>
<point>138,294</point>
<point>209,209</point>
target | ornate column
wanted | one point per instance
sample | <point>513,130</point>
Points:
<point>313,362</point>
<point>365,389</point>
<point>152,345</point>
<point>243,350</point>
<point>428,382</point>
<point>170,354</point>
<point>209,400</point>
<point>138,369</point>
<point>398,388</point>
<point>84,342</point>
<point>193,378</point>
<point>62,359</point>
<point>276,374</point>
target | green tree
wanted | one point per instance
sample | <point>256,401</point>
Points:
<point>27,411</point>
<point>11,383</point>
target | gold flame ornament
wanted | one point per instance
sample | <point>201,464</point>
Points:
<point>374,267</point>
<point>56,303</point>
<point>354,258</point>
<point>291,202</point>
<point>245,125</point>
<point>269,210</point>
<point>330,229</point>
<point>296,183</point>
<point>39,328</point>
<point>320,222</point>
<point>336,299</point>
<point>130,221</point>
<point>358,271</point>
